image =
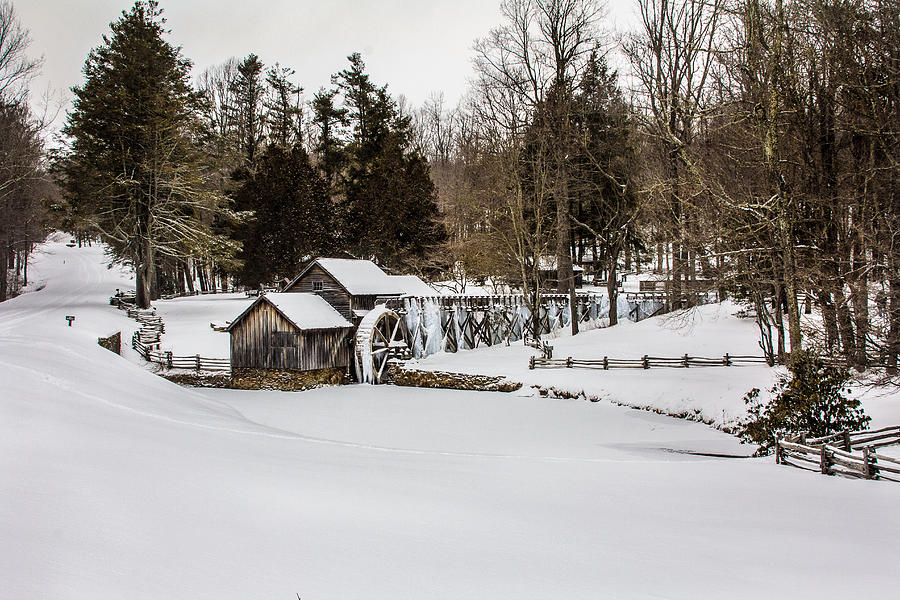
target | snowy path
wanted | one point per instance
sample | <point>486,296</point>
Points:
<point>115,483</point>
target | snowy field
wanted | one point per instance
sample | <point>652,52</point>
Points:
<point>713,394</point>
<point>115,483</point>
<point>188,320</point>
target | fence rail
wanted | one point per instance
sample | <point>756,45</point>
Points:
<point>822,454</point>
<point>151,353</point>
<point>645,362</point>
<point>146,340</point>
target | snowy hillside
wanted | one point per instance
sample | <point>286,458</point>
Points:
<point>713,394</point>
<point>115,483</point>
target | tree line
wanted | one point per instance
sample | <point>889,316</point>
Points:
<point>748,147</point>
<point>26,192</point>
<point>226,182</point>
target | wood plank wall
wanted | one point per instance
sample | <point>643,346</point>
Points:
<point>331,291</point>
<point>266,340</point>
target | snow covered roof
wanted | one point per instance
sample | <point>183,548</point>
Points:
<point>359,277</point>
<point>306,311</point>
<point>412,285</point>
<point>365,278</point>
<point>548,263</point>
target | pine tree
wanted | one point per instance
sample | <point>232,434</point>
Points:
<point>390,203</point>
<point>603,172</point>
<point>329,147</point>
<point>133,164</point>
<point>292,217</point>
<point>284,112</point>
<point>248,110</point>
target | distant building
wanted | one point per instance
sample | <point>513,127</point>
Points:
<point>548,272</point>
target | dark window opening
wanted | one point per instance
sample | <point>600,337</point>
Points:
<point>282,339</point>
<point>318,286</point>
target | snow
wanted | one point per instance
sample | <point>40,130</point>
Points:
<point>360,277</point>
<point>187,321</point>
<point>306,311</point>
<point>711,394</point>
<point>116,483</point>
<point>413,286</point>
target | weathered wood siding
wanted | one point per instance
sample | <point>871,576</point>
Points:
<point>264,339</point>
<point>331,291</point>
<point>363,302</point>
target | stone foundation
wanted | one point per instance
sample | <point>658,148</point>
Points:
<point>112,343</point>
<point>260,379</point>
<point>450,381</point>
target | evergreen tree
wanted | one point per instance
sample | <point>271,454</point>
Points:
<point>329,147</point>
<point>133,163</point>
<point>292,217</point>
<point>284,112</point>
<point>390,204</point>
<point>603,168</point>
<point>248,110</point>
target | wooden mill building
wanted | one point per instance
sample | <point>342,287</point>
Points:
<point>291,331</point>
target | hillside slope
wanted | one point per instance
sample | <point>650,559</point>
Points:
<point>115,483</point>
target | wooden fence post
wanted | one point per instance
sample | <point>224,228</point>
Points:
<point>531,362</point>
<point>727,360</point>
<point>568,362</point>
<point>847,445</point>
<point>870,459</point>
<point>198,362</point>
<point>685,361</point>
<point>646,361</point>
<point>823,461</point>
<point>606,363</point>
<point>169,359</point>
<point>777,451</point>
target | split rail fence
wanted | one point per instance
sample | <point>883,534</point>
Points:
<point>146,340</point>
<point>152,353</point>
<point>846,453</point>
<point>645,362</point>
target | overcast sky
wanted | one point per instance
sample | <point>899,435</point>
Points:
<point>417,47</point>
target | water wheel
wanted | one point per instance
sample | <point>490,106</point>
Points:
<point>380,337</point>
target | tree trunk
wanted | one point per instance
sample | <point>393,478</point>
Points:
<point>777,304</point>
<point>189,276</point>
<point>845,322</point>
<point>143,278</point>
<point>4,283</point>
<point>860,298</point>
<point>829,319</point>
<point>659,257</point>
<point>612,290</point>
<point>893,338</point>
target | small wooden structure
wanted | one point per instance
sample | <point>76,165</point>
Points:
<point>291,331</point>
<point>549,273</point>
<point>353,287</point>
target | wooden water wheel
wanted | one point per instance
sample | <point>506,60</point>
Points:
<point>379,338</point>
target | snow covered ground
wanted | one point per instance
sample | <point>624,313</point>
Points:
<point>188,319</point>
<point>713,394</point>
<point>116,483</point>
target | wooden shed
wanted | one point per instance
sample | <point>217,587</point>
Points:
<point>291,331</point>
<point>351,286</point>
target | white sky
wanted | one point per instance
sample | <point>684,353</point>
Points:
<point>417,47</point>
